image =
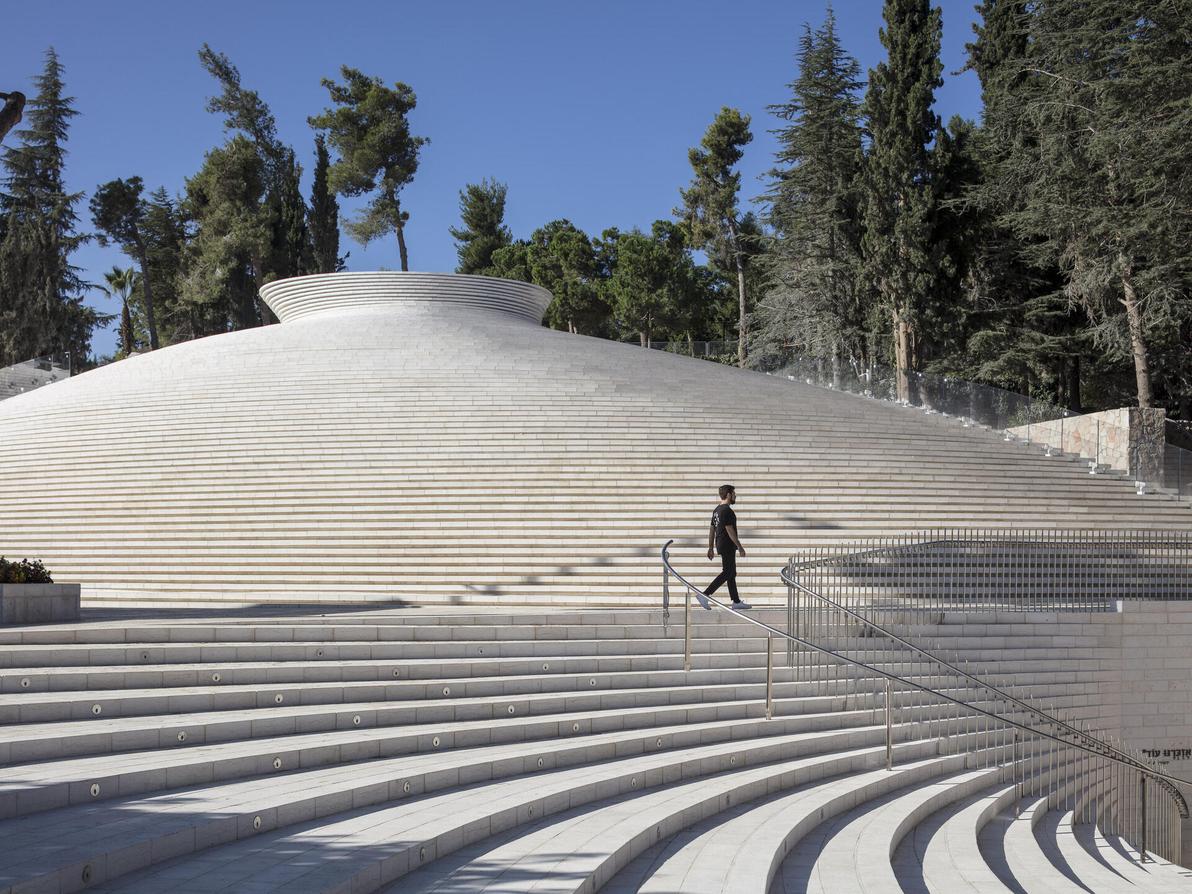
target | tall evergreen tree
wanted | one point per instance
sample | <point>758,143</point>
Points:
<point>164,235</point>
<point>244,111</point>
<point>225,258</point>
<point>324,215</point>
<point>652,280</point>
<point>562,259</point>
<point>1017,329</point>
<point>118,212</point>
<point>710,214</point>
<point>482,211</point>
<point>41,307</point>
<point>899,197</point>
<point>370,130</point>
<point>1098,155</point>
<point>813,257</point>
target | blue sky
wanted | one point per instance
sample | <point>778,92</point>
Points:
<point>586,111</point>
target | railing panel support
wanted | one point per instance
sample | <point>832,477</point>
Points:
<point>769,676</point>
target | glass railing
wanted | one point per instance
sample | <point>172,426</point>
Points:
<point>839,645</point>
<point>1103,439</point>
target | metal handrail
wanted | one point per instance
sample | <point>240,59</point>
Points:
<point>1101,749</point>
<point>989,688</point>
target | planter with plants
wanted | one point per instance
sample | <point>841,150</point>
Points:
<point>28,595</point>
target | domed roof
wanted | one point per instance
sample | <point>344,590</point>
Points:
<point>421,437</point>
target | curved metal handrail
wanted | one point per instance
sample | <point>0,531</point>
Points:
<point>1100,749</point>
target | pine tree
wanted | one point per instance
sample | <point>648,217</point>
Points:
<point>899,199</point>
<point>323,221</point>
<point>812,259</point>
<point>651,282</point>
<point>41,309</point>
<point>243,109</point>
<point>710,214</point>
<point>482,211</point>
<point>562,259</point>
<point>370,129</point>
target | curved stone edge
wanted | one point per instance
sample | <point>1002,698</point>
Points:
<point>300,297</point>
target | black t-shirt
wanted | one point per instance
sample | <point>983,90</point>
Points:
<point>722,517</point>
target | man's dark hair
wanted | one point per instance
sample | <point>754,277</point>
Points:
<point>726,489</point>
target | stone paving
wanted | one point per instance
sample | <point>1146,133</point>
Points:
<point>453,751</point>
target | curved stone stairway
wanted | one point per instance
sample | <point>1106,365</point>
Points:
<point>522,751</point>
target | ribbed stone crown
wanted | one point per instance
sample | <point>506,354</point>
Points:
<point>335,293</point>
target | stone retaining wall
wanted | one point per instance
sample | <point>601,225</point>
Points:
<point>39,603</point>
<point>1130,439</point>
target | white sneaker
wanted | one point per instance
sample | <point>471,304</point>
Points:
<point>703,600</point>
<point>740,606</point>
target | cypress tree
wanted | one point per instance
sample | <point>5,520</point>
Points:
<point>899,199</point>
<point>482,211</point>
<point>812,259</point>
<point>41,309</point>
<point>324,214</point>
<point>164,235</point>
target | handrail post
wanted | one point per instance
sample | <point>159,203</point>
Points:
<point>889,728</point>
<point>769,676</point>
<point>1142,858</point>
<point>687,629</point>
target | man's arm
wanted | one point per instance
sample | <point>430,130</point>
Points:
<point>731,530</point>
<point>711,540</point>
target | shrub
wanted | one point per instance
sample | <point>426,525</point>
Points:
<point>23,572</point>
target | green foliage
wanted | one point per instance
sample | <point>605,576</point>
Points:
<point>709,213</point>
<point>323,220</point>
<point>482,210</point>
<point>561,258</point>
<point>812,261</point>
<point>164,235</point>
<point>512,262</point>
<point>120,283</point>
<point>1092,169</point>
<point>23,572</point>
<point>369,128</point>
<point>223,261</point>
<point>899,198</point>
<point>118,211</point>
<point>41,306</point>
<point>290,252</point>
<point>652,281</point>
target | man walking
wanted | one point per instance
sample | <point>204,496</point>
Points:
<point>722,538</point>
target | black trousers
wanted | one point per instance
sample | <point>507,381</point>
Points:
<point>727,575</point>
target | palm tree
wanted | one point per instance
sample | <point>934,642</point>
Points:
<point>121,282</point>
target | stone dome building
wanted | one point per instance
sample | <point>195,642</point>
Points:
<point>421,438</point>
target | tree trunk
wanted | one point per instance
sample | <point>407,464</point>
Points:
<point>1074,384</point>
<point>401,247</point>
<point>1142,365</point>
<point>902,355</point>
<point>690,344</point>
<point>150,319</point>
<point>742,328</point>
<point>645,339</point>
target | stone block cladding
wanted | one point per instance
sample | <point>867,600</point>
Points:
<point>39,603</point>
